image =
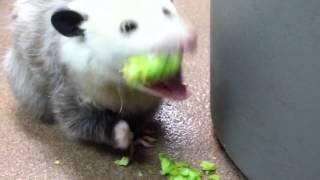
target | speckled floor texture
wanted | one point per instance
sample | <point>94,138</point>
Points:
<point>31,150</point>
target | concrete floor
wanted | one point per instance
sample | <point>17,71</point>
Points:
<point>29,149</point>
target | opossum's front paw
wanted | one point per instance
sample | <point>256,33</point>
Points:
<point>146,140</point>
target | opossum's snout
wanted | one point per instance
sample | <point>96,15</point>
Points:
<point>122,135</point>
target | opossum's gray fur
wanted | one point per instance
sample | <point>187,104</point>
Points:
<point>45,88</point>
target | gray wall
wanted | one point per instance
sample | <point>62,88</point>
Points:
<point>266,86</point>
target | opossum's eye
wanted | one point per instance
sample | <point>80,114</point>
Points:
<point>166,12</point>
<point>67,22</point>
<point>128,27</point>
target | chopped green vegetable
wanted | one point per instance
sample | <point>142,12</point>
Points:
<point>208,166</point>
<point>190,173</point>
<point>124,161</point>
<point>140,174</point>
<point>147,69</point>
<point>181,164</point>
<point>177,170</point>
<point>177,178</point>
<point>167,165</point>
<point>214,177</point>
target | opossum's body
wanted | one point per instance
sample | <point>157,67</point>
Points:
<point>75,81</point>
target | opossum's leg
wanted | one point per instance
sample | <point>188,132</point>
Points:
<point>90,123</point>
<point>143,134</point>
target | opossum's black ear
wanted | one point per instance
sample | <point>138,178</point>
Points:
<point>67,22</point>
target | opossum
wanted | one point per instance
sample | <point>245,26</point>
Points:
<point>65,60</point>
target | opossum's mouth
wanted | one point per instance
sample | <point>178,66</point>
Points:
<point>172,88</point>
<point>158,74</point>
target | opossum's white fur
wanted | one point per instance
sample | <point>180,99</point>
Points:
<point>100,58</point>
<point>45,68</point>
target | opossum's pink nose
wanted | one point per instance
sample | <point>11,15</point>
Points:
<point>189,44</point>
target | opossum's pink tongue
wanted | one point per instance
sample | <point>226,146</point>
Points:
<point>172,89</point>
<point>176,92</point>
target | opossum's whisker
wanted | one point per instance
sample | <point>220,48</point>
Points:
<point>120,97</point>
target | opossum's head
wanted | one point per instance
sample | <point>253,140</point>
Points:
<point>100,35</point>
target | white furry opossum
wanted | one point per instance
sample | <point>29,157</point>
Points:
<point>65,60</point>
